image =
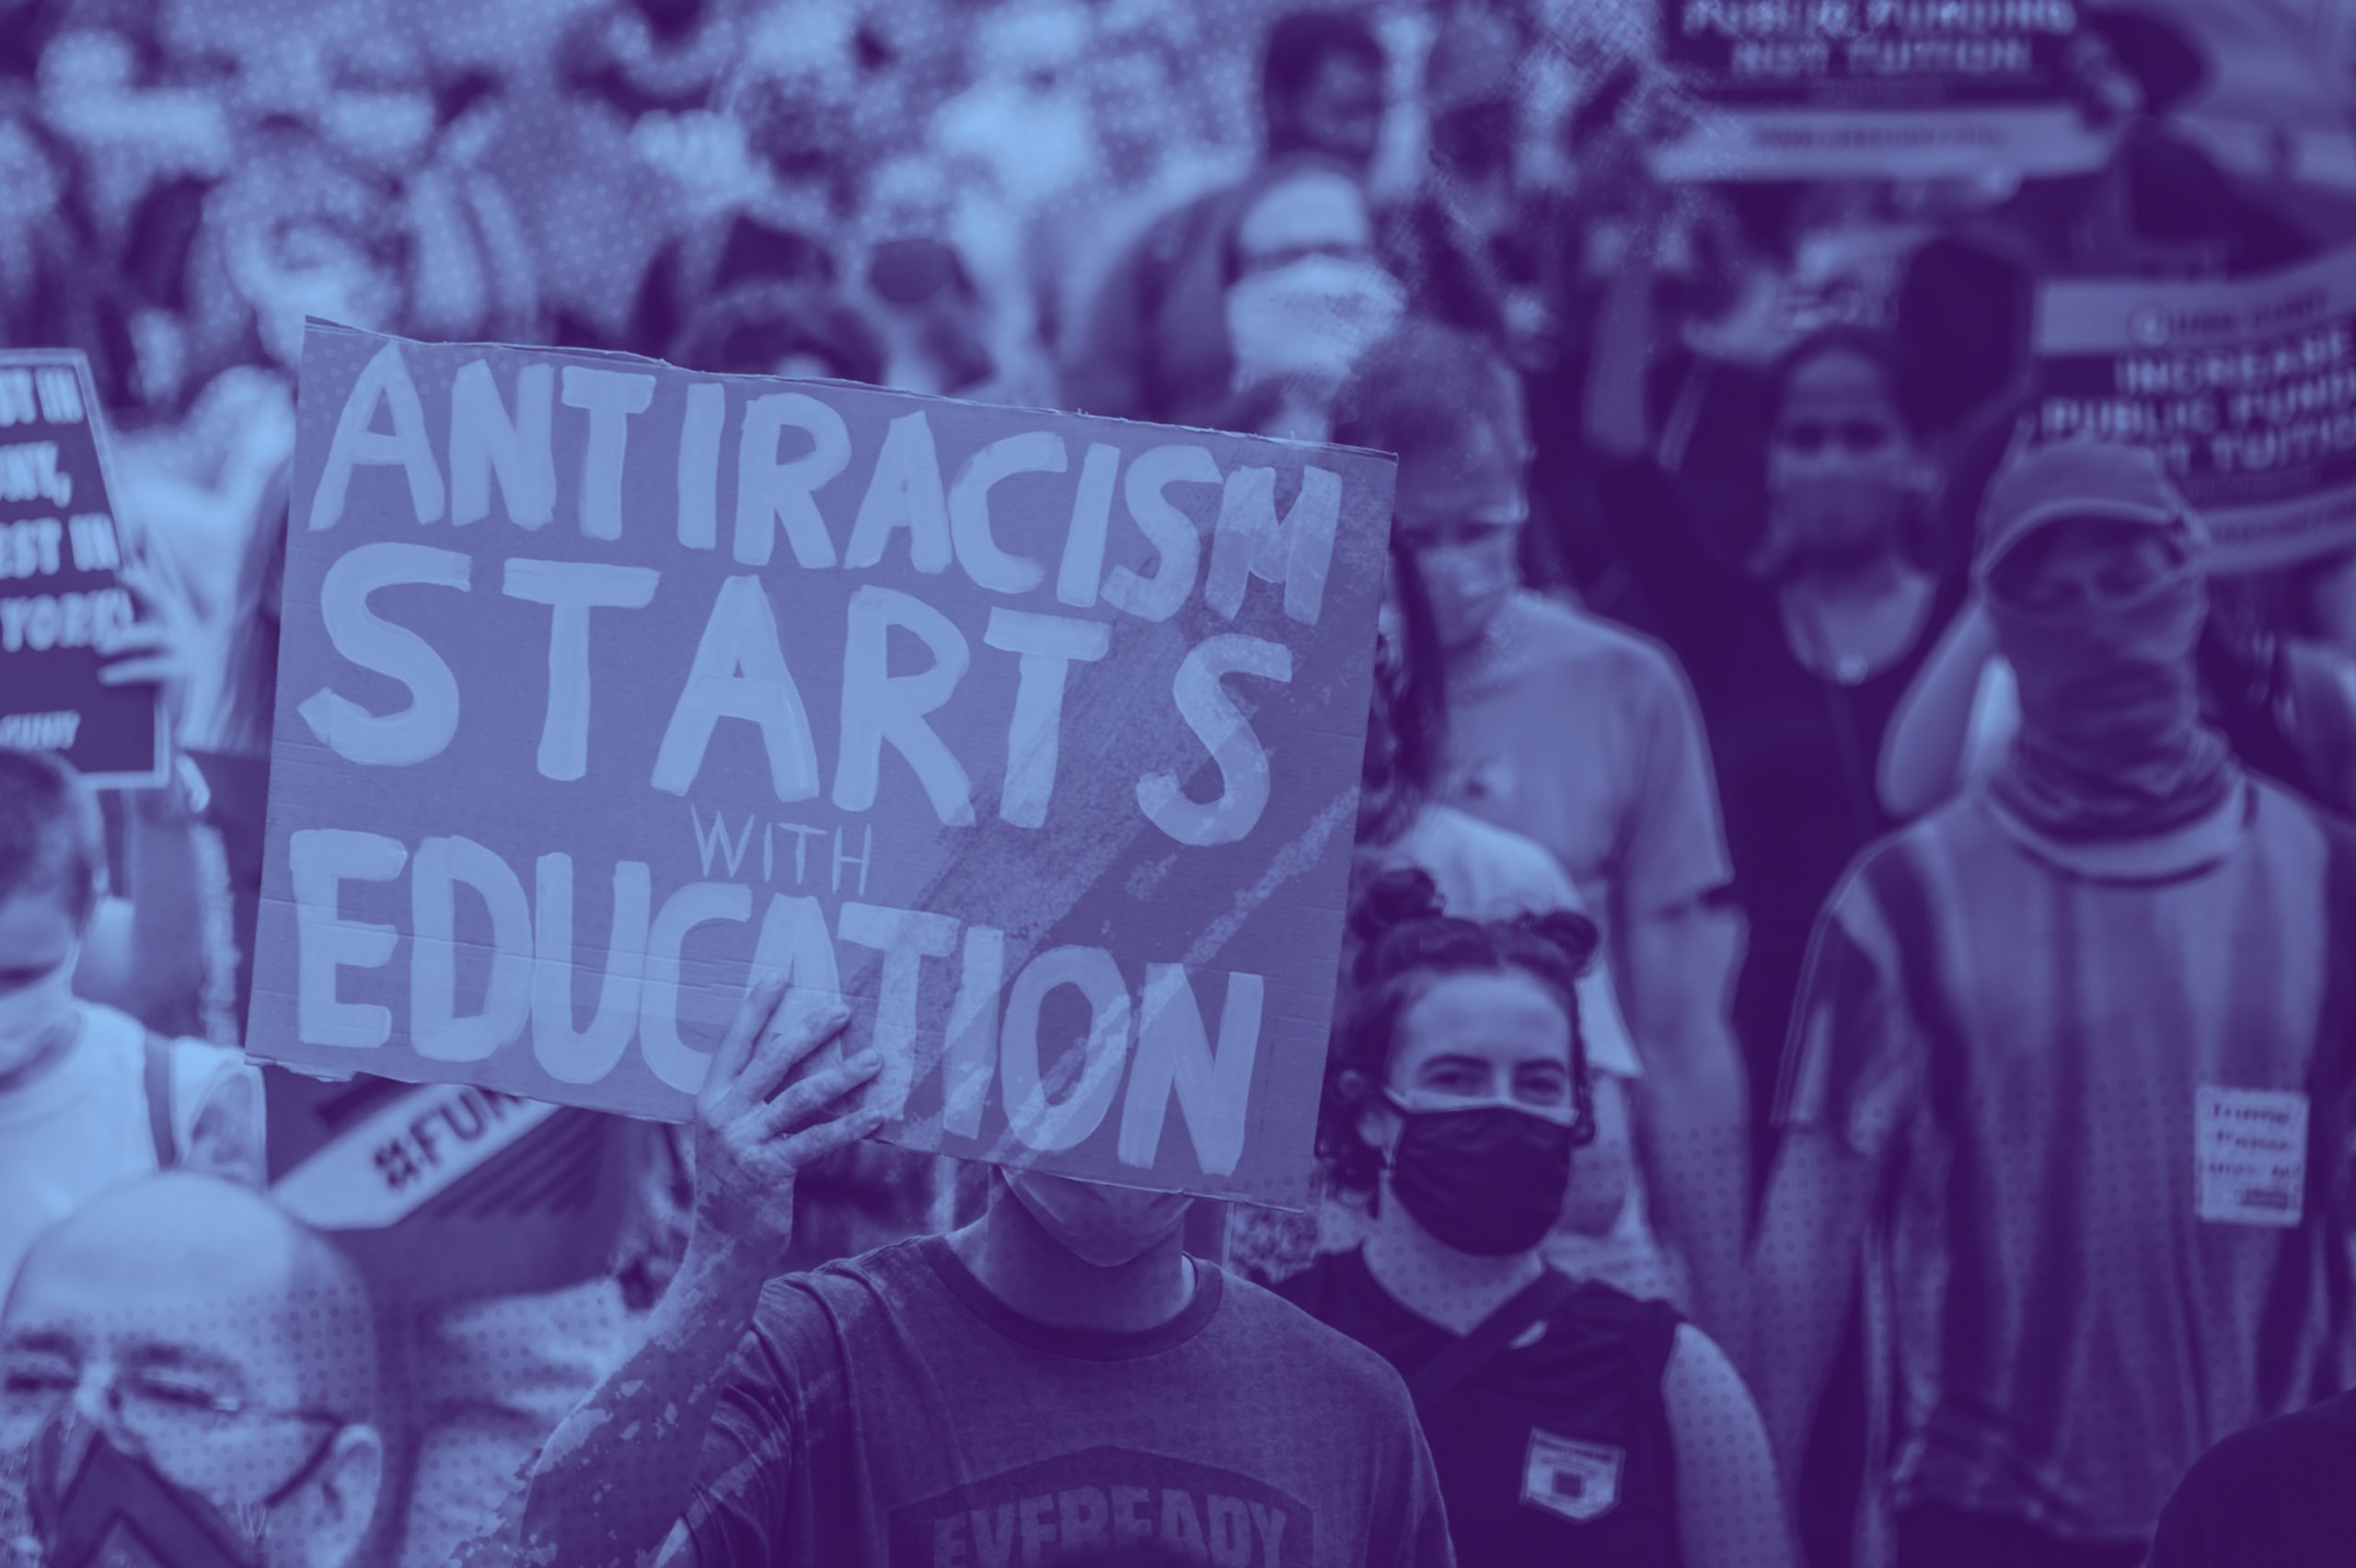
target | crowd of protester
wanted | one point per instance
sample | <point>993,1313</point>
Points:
<point>1818,863</point>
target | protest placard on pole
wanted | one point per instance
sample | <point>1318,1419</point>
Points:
<point>60,595</point>
<point>1875,90</point>
<point>2247,388</point>
<point>605,686</point>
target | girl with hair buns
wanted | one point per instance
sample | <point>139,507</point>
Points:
<point>1567,1421</point>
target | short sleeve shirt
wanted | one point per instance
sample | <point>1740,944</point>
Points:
<point>2111,1110</point>
<point>1587,739</point>
<point>888,1411</point>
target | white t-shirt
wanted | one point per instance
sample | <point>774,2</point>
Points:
<point>82,1127</point>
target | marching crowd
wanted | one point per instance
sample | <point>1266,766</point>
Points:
<point>1834,885</point>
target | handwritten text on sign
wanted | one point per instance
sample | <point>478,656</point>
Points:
<point>605,684</point>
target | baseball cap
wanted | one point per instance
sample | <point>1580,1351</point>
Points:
<point>2079,478</point>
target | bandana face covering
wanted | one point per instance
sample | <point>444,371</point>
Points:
<point>2111,744</point>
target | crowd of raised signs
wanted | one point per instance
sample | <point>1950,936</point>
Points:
<point>1845,1047</point>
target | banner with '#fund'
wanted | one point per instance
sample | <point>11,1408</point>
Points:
<point>607,687</point>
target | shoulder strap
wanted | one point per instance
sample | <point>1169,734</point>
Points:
<point>1447,1371</point>
<point>156,1076</point>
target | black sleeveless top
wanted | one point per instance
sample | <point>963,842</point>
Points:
<point>1558,1451</point>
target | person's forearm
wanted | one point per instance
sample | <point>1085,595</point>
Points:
<point>1692,1126</point>
<point>1695,1150</point>
<point>1805,1271</point>
<point>617,1473</point>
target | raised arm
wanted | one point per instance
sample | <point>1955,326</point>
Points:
<point>617,1475</point>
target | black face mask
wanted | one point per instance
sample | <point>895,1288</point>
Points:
<point>116,1511</point>
<point>1488,1179</point>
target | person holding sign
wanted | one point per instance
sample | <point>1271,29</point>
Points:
<point>1569,1421</point>
<point>2069,1076</point>
<point>1058,1372</point>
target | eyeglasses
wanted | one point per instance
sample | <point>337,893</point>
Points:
<point>161,1409</point>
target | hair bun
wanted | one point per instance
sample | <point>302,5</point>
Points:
<point>1569,930</point>
<point>1393,899</point>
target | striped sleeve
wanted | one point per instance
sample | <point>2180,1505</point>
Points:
<point>1852,1060</point>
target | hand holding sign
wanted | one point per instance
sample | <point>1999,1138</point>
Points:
<point>163,648</point>
<point>760,1119</point>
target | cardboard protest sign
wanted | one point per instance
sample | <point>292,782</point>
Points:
<point>605,686</point>
<point>60,548</point>
<point>1875,90</point>
<point>2247,388</point>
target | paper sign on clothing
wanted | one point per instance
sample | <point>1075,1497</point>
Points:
<point>1578,1480</point>
<point>2247,388</point>
<point>60,595</point>
<point>605,686</point>
<point>2250,1153</point>
<point>1876,89</point>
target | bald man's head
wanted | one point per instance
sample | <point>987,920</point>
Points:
<point>207,1267</point>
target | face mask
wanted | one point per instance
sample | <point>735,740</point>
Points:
<point>1488,1179</point>
<point>1100,1225</point>
<point>115,1511</point>
<point>1839,505</point>
<point>1312,318</point>
<point>30,1016</point>
<point>2111,738</point>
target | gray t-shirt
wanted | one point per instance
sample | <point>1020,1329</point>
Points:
<point>889,1411</point>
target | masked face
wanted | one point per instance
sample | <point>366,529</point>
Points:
<point>1097,1224</point>
<point>39,947</point>
<point>1309,298</point>
<point>1842,473</point>
<point>2100,621</point>
<point>1480,1116</point>
<point>34,1016</point>
<point>96,1504</point>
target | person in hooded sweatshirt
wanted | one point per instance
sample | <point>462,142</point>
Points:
<point>2069,1088</point>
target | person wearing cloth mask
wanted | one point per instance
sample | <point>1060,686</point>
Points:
<point>1147,348</point>
<point>89,1097</point>
<point>1307,301</point>
<point>1800,638</point>
<point>188,1379</point>
<point>1585,739</point>
<point>1060,1367</point>
<point>1569,1421</point>
<point>2037,1034</point>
